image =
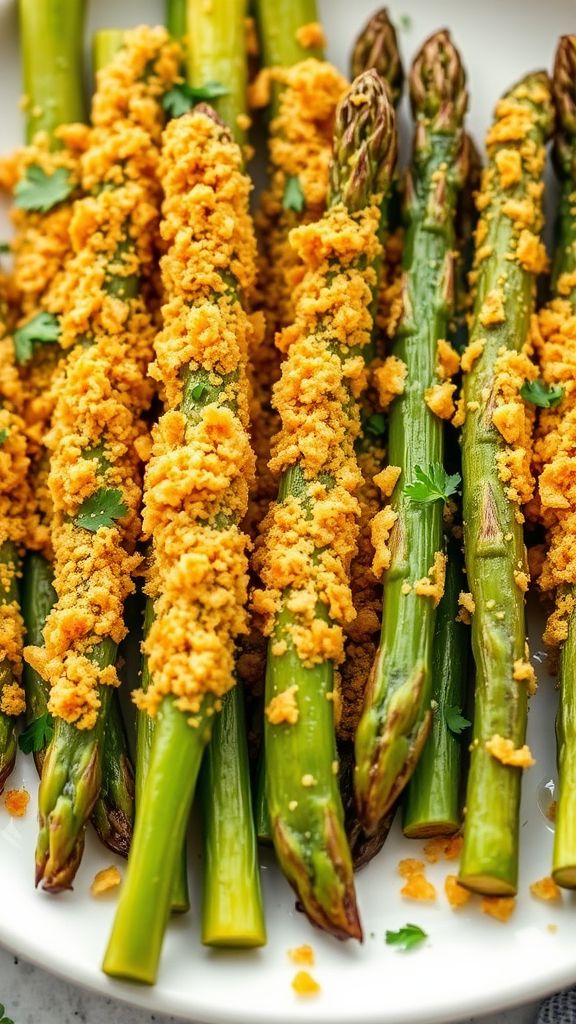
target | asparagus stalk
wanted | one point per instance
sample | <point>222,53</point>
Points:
<point>553,454</point>
<point>303,105</point>
<point>306,597</point>
<point>376,47</point>
<point>397,713</point>
<point>198,570</point>
<point>113,812</point>
<point>176,19</point>
<point>232,899</point>
<point>95,522</point>
<point>433,804</point>
<point>52,50</point>
<point>496,460</point>
<point>216,53</point>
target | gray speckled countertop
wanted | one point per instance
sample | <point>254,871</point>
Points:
<point>31,996</point>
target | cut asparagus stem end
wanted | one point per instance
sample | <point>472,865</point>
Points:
<point>365,144</point>
<point>565,877</point>
<point>377,47</point>
<point>438,83</point>
<point>145,899</point>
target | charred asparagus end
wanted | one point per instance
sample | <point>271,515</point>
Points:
<point>377,47</point>
<point>365,143</point>
<point>438,83</point>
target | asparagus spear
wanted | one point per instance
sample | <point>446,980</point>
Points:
<point>377,47</point>
<point>497,479</point>
<point>15,503</point>
<point>554,342</point>
<point>51,33</point>
<point>176,16</point>
<point>96,429</point>
<point>41,253</point>
<point>196,494</point>
<point>397,714</point>
<point>216,54</point>
<point>433,803</point>
<point>311,530</point>
<point>303,105</point>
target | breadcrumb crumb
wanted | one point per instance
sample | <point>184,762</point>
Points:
<point>16,802</point>
<point>305,985</point>
<point>105,880</point>
<point>546,889</point>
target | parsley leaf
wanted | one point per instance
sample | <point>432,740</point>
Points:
<point>407,937</point>
<point>40,191</point>
<point>538,393</point>
<point>182,97</point>
<point>454,719</point>
<point>36,736</point>
<point>3,435</point>
<point>198,391</point>
<point>432,484</point>
<point>4,1020</point>
<point>374,425</point>
<point>43,328</point>
<point>293,195</point>
<point>101,509</point>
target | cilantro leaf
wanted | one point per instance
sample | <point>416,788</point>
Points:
<point>102,508</point>
<point>44,328</point>
<point>432,484</point>
<point>182,97</point>
<point>40,191</point>
<point>3,435</point>
<point>454,719</point>
<point>198,391</point>
<point>374,425</point>
<point>408,937</point>
<point>36,736</point>
<point>538,393</point>
<point>293,198</point>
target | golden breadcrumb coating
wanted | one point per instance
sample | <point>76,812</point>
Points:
<point>197,480</point>
<point>554,339</point>
<point>304,554</point>
<point>108,332</point>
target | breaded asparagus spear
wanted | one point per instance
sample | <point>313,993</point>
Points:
<point>397,712</point>
<point>554,338</point>
<point>310,533</point>
<point>97,438</point>
<point>496,451</point>
<point>196,495</point>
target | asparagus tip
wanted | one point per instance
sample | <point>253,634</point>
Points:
<point>438,83</point>
<point>365,143</point>
<point>564,94</point>
<point>377,47</point>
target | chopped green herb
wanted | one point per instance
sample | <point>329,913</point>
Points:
<point>405,22</point>
<point>374,425</point>
<point>454,719</point>
<point>5,247</point>
<point>538,393</point>
<point>36,736</point>
<point>3,435</point>
<point>432,484</point>
<point>102,508</point>
<point>3,1019</point>
<point>198,391</point>
<point>44,328</point>
<point>407,937</point>
<point>40,191</point>
<point>182,97</point>
<point>293,194</point>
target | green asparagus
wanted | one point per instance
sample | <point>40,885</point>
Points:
<point>397,712</point>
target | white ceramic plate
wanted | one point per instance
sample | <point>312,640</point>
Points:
<point>470,964</point>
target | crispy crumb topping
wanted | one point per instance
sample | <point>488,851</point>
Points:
<point>197,480</point>
<point>108,334</point>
